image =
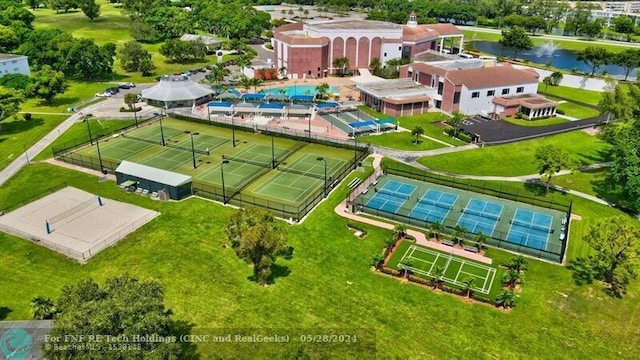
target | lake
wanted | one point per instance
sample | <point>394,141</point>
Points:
<point>550,54</point>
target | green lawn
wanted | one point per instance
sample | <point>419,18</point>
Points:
<point>593,182</point>
<point>327,284</point>
<point>18,135</point>
<point>581,95</point>
<point>79,93</point>
<point>402,141</point>
<point>79,131</point>
<point>578,111</point>
<point>517,158</point>
<point>535,123</point>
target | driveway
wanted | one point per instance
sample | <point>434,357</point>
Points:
<point>499,132</point>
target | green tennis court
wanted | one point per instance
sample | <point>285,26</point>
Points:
<point>236,174</point>
<point>423,261</point>
<point>120,148</point>
<point>169,159</point>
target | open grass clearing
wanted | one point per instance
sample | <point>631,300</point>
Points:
<point>578,111</point>
<point>535,123</point>
<point>585,96</point>
<point>185,240</point>
<point>401,140</point>
<point>517,158</point>
<point>18,135</point>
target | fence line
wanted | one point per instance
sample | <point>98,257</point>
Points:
<point>77,255</point>
<point>363,186</point>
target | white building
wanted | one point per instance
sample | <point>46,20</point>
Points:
<point>608,16</point>
<point>14,64</point>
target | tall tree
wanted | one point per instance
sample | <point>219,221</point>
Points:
<point>617,102</point>
<point>10,101</point>
<point>341,63</point>
<point>8,39</point>
<point>417,132</point>
<point>556,78</point>
<point>594,57</point>
<point>130,99</point>
<point>132,56</point>
<point>616,244</point>
<point>551,159</point>
<point>629,59</point>
<point>48,83</point>
<point>624,173</point>
<point>83,58</point>
<point>578,16</point>
<point>455,121</point>
<point>124,307</point>
<point>90,8</point>
<point>591,28</point>
<point>467,286</point>
<point>517,39</point>
<point>257,237</point>
<point>624,25</point>
<point>534,23</point>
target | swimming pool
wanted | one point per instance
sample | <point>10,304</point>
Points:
<point>297,90</point>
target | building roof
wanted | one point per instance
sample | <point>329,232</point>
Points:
<point>531,101</point>
<point>207,40</point>
<point>11,57</point>
<point>444,29</point>
<point>430,56</point>
<point>480,77</point>
<point>152,174</point>
<point>394,88</point>
<point>418,32</point>
<point>353,25</point>
<point>176,89</point>
<point>407,100</point>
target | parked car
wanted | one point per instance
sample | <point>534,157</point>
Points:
<point>127,86</point>
<point>112,90</point>
<point>103,94</point>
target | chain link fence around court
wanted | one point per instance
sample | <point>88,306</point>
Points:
<point>498,239</point>
<point>234,196</point>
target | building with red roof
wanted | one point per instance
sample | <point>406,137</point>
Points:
<point>309,49</point>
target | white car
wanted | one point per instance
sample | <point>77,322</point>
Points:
<point>103,94</point>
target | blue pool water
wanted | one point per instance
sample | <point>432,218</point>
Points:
<point>297,90</point>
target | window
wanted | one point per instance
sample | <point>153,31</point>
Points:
<point>520,89</point>
<point>475,94</point>
<point>491,92</point>
<point>456,97</point>
<point>440,88</point>
<point>505,91</point>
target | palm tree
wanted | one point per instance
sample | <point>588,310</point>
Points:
<point>341,63</point>
<point>456,121</point>
<point>255,82</point>
<point>307,92</point>
<point>556,77</point>
<point>218,72</point>
<point>467,286</point>
<point>390,243</point>
<point>306,13</point>
<point>244,61</point>
<point>417,131</point>
<point>518,263</point>
<point>322,89</point>
<point>290,12</point>
<point>245,82</point>
<point>506,299</point>
<point>300,11</point>
<point>511,278</point>
<point>42,308</point>
<point>283,71</point>
<point>437,281</point>
<point>377,261</point>
<point>480,239</point>
<point>547,81</point>
<point>284,13</point>
<point>458,235</point>
<point>399,231</point>
<point>375,65</point>
<point>436,228</point>
<point>282,91</point>
<point>404,268</point>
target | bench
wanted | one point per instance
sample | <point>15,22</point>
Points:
<point>154,194</point>
<point>561,236</point>
<point>564,221</point>
<point>365,191</point>
<point>138,190</point>
<point>355,182</point>
<point>448,242</point>
<point>145,192</point>
<point>472,249</point>
<point>374,183</point>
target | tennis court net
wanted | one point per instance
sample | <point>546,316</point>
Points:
<point>303,173</point>
<point>393,193</point>
<point>187,148</point>
<point>530,225</point>
<point>436,203</point>
<point>247,161</point>
<point>482,214</point>
<point>151,141</point>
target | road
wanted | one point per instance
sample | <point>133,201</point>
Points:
<point>556,37</point>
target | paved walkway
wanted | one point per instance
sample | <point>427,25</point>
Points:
<point>42,144</point>
<point>405,155</point>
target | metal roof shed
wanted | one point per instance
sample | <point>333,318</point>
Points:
<point>177,185</point>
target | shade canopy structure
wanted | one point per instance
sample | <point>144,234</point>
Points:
<point>175,90</point>
<point>154,174</point>
<point>251,96</point>
<point>302,98</point>
<point>360,124</point>
<point>277,97</point>
<point>327,105</point>
<point>387,120</point>
<point>228,95</point>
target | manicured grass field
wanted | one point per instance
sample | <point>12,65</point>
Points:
<point>581,95</point>
<point>401,140</point>
<point>207,286</point>
<point>18,135</point>
<point>79,93</point>
<point>535,123</point>
<point>578,111</point>
<point>517,158</point>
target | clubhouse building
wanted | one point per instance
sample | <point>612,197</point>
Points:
<point>307,50</point>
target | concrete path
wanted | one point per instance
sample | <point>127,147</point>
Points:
<point>405,155</point>
<point>42,144</point>
<point>43,113</point>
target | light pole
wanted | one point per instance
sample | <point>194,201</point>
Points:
<point>209,113</point>
<point>86,119</point>
<point>273,154</point>
<point>99,155</point>
<point>193,148</point>
<point>161,133</point>
<point>355,151</point>
<point>224,197</point>
<point>320,158</point>
<point>233,132</point>
<point>135,115</point>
